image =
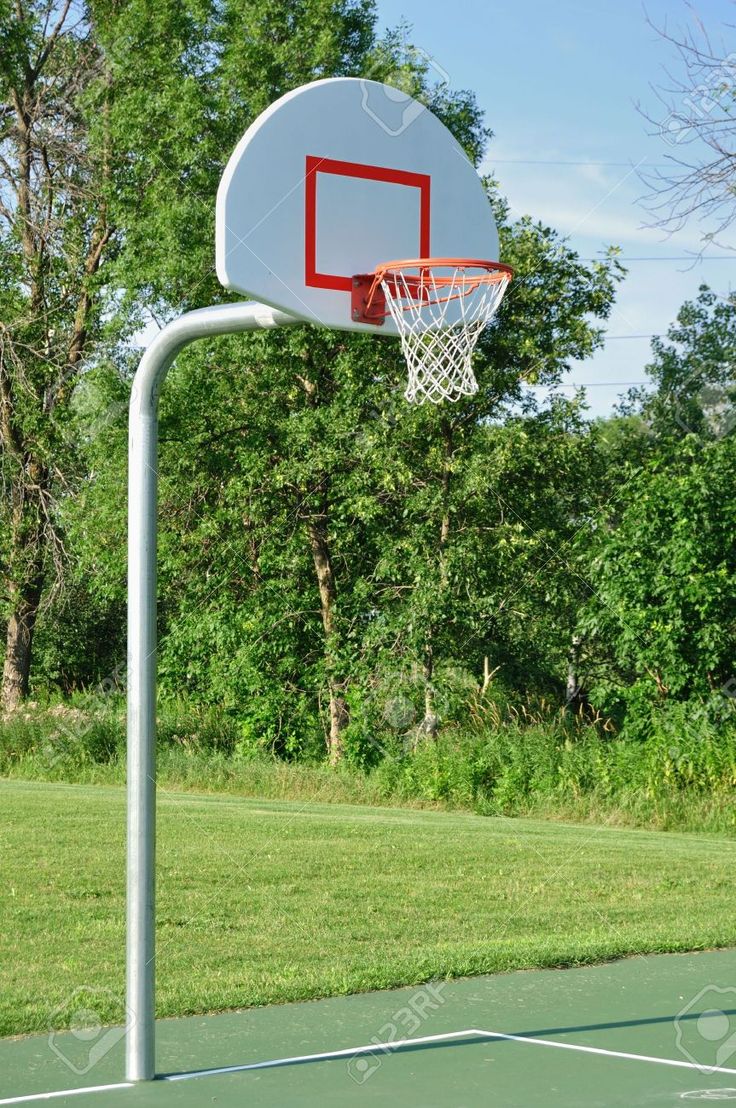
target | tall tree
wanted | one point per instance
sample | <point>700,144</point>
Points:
<point>115,124</point>
<point>55,234</point>
<point>699,124</point>
<point>452,497</point>
<point>693,371</point>
<point>663,605</point>
<point>321,521</point>
<point>661,616</point>
<point>165,251</point>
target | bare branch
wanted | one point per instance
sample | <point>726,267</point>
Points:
<point>700,117</point>
<point>51,40</point>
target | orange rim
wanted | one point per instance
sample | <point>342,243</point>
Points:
<point>419,286</point>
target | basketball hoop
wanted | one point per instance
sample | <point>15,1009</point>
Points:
<point>344,204</point>
<point>439,307</point>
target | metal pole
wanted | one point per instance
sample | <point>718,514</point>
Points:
<point>142,501</point>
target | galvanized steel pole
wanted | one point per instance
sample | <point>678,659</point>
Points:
<point>142,502</point>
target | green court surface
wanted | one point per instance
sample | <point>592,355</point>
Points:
<point>650,1030</point>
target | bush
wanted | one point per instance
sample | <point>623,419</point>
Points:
<point>508,760</point>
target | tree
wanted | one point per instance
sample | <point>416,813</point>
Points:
<point>664,601</point>
<point>324,529</point>
<point>115,123</point>
<point>700,125</point>
<point>662,615</point>
<point>55,236</point>
<point>162,251</point>
<point>694,373</point>
<point>321,526</point>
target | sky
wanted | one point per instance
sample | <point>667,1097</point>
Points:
<point>563,86</point>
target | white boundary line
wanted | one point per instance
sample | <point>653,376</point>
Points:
<point>708,1071</point>
<point>349,1052</point>
<point>28,1099</point>
<point>398,1044</point>
<point>382,1048</point>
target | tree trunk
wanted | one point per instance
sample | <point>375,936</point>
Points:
<point>18,644</point>
<point>317,530</point>
<point>488,675</point>
<point>24,579</point>
<point>574,696</point>
<point>430,723</point>
<point>318,541</point>
<point>338,722</point>
<point>47,153</point>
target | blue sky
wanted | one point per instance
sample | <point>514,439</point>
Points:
<point>560,82</point>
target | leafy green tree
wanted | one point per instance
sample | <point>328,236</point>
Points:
<point>115,124</point>
<point>324,526</point>
<point>661,563</point>
<point>318,527</point>
<point>694,374</point>
<point>664,576</point>
<point>56,235</point>
<point>452,502</point>
<point>167,253</point>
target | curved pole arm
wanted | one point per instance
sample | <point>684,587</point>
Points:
<point>141,771</point>
<point>223,319</point>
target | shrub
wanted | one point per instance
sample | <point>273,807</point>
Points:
<point>510,760</point>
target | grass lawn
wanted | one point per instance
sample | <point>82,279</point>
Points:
<point>264,901</point>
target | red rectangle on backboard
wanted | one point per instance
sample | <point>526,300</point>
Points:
<point>315,166</point>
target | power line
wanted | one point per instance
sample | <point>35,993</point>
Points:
<point>612,165</point>
<point>603,384</point>
<point>592,384</point>
<point>668,258</point>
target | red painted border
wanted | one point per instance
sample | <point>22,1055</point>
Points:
<point>419,181</point>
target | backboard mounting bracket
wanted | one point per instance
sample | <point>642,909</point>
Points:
<point>361,310</point>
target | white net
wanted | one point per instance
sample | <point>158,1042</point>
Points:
<point>439,317</point>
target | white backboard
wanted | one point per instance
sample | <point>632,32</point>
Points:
<point>333,179</point>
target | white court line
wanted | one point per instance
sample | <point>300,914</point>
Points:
<point>709,1070</point>
<point>397,1044</point>
<point>384,1048</point>
<point>349,1052</point>
<point>66,1092</point>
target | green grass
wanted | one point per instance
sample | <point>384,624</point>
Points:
<point>266,901</point>
<point>682,777</point>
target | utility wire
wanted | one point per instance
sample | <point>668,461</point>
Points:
<point>591,384</point>
<point>667,258</point>
<point>535,161</point>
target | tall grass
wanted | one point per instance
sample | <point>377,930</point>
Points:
<point>512,762</point>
